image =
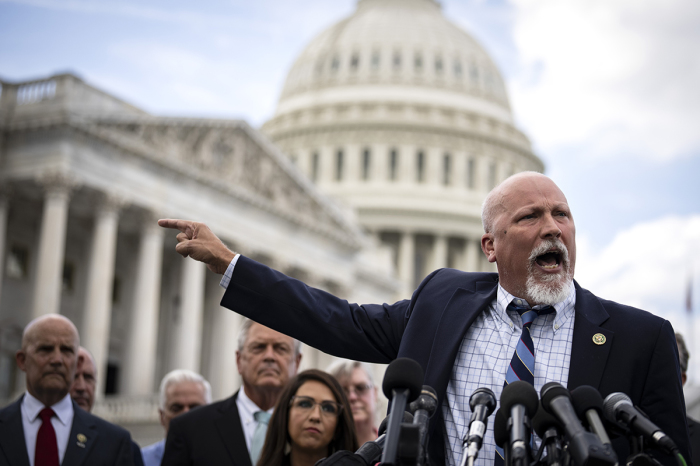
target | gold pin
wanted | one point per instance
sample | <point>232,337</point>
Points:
<point>81,440</point>
<point>599,339</point>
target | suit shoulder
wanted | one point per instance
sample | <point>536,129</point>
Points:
<point>106,427</point>
<point>460,278</point>
<point>203,413</point>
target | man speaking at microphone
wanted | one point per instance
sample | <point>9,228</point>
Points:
<point>530,321</point>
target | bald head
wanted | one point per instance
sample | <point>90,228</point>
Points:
<point>494,204</point>
<point>48,357</point>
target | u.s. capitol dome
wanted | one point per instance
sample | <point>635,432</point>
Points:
<point>403,116</point>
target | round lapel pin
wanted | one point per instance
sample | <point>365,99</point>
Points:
<point>599,339</point>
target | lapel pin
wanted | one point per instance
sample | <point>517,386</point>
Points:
<point>81,440</point>
<point>599,339</point>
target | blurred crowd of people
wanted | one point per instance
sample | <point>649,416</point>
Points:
<point>279,416</point>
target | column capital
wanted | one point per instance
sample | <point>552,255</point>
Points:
<point>109,202</point>
<point>57,182</point>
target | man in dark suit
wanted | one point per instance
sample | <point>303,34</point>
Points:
<point>82,391</point>
<point>232,431</point>
<point>460,326</point>
<point>45,427</point>
<point>693,425</point>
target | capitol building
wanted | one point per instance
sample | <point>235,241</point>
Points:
<point>390,129</point>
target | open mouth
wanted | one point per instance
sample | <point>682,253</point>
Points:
<point>550,260</point>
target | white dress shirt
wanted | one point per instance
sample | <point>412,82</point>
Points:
<point>246,410</point>
<point>62,423</point>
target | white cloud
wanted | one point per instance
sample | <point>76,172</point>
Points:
<point>619,76</point>
<point>647,265</point>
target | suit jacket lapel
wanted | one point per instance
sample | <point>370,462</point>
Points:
<point>459,313</point>
<point>82,439</point>
<point>588,359</point>
<point>231,431</point>
<point>12,443</point>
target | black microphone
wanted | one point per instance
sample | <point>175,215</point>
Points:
<point>500,434</point>
<point>589,406</point>
<point>519,401</point>
<point>585,448</point>
<point>371,452</point>
<point>402,383</point>
<point>550,430</point>
<point>482,403</point>
<point>423,408</point>
<point>619,408</point>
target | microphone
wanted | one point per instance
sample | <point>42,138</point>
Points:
<point>500,434</point>
<point>519,399</point>
<point>371,452</point>
<point>482,403</point>
<point>619,408</point>
<point>589,406</point>
<point>423,408</point>
<point>586,448</point>
<point>402,383</point>
<point>549,429</point>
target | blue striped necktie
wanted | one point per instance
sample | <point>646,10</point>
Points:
<point>522,364</point>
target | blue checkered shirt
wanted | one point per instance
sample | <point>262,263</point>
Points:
<point>484,356</point>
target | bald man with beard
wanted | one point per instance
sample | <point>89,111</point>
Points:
<point>45,427</point>
<point>464,328</point>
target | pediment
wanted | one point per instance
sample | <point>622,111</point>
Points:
<point>232,154</point>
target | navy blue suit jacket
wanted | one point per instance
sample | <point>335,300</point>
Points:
<point>208,435</point>
<point>105,444</point>
<point>639,357</point>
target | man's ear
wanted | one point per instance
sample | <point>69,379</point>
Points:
<point>21,358</point>
<point>298,361</point>
<point>488,246</point>
<point>238,361</point>
<point>162,417</point>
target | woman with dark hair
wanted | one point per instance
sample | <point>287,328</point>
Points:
<point>312,420</point>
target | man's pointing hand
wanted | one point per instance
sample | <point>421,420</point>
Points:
<point>197,241</point>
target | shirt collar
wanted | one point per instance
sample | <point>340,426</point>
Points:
<point>564,309</point>
<point>63,409</point>
<point>249,405</point>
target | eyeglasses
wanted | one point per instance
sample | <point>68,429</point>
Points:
<point>306,404</point>
<point>360,389</point>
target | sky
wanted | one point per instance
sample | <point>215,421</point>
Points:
<point>607,91</point>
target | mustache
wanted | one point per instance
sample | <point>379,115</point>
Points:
<point>549,245</point>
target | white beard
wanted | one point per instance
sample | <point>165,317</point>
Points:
<point>549,289</point>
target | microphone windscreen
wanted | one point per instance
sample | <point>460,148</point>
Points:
<point>611,401</point>
<point>543,421</point>
<point>407,418</point>
<point>520,393</point>
<point>586,398</point>
<point>500,428</point>
<point>403,373</point>
<point>550,391</point>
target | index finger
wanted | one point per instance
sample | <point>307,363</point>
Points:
<point>176,224</point>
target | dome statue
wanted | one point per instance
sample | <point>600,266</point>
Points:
<point>401,115</point>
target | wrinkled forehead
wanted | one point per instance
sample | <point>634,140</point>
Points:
<point>531,191</point>
<point>261,334</point>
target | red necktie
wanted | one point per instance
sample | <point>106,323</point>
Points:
<point>46,446</point>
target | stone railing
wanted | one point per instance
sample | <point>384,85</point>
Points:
<point>36,91</point>
<point>126,410</point>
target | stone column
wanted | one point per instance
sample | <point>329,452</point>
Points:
<point>97,315</point>
<point>52,243</point>
<point>407,260</point>
<point>223,373</point>
<point>473,247</point>
<point>4,210</point>
<point>185,349</point>
<point>440,252</point>
<point>140,360</point>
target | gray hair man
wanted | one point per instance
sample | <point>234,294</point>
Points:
<point>180,391</point>
<point>45,427</point>
<point>232,431</point>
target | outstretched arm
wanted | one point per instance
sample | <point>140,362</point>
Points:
<point>197,241</point>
